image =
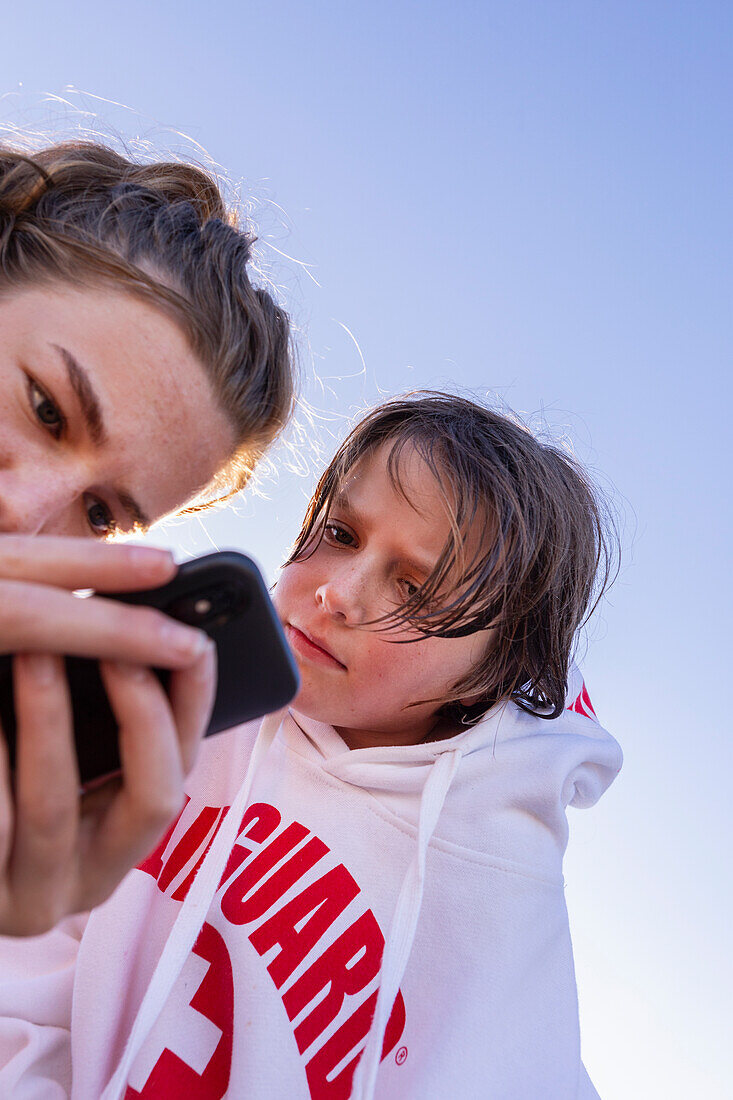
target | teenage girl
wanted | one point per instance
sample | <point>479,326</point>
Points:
<point>139,369</point>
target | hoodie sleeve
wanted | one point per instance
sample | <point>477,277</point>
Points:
<point>521,773</point>
<point>36,988</point>
<point>600,760</point>
<point>570,761</point>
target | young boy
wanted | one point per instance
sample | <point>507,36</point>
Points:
<point>415,794</point>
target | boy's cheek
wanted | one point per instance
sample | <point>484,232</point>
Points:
<point>281,593</point>
<point>276,597</point>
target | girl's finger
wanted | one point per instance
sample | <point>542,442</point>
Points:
<point>46,783</point>
<point>192,695</point>
<point>6,804</point>
<point>152,771</point>
<point>37,618</point>
<point>83,563</point>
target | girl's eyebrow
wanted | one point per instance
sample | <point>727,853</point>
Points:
<point>89,403</point>
<point>91,410</point>
<point>140,520</point>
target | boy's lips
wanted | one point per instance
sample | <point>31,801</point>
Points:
<point>311,647</point>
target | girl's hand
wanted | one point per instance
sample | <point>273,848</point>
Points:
<point>60,853</point>
<point>39,614</point>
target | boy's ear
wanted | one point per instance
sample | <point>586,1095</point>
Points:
<point>469,700</point>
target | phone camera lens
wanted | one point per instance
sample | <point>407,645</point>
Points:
<point>211,605</point>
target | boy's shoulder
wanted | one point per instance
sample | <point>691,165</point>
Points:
<point>523,760</point>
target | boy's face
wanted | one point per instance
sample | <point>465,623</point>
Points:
<point>377,548</point>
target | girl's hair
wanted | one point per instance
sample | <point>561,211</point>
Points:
<point>529,554</point>
<point>79,212</point>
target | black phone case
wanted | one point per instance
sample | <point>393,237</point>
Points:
<point>224,595</point>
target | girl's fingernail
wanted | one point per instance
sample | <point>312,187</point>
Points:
<point>41,666</point>
<point>147,557</point>
<point>207,668</point>
<point>186,641</point>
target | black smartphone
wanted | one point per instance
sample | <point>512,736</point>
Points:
<point>222,594</point>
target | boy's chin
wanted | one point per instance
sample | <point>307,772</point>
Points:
<point>315,708</point>
<point>330,714</point>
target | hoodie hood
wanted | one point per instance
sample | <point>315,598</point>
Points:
<point>572,756</point>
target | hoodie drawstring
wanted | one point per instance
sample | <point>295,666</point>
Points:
<point>404,923</point>
<point>191,916</point>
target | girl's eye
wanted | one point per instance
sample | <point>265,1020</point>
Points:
<point>100,518</point>
<point>339,534</point>
<point>47,411</point>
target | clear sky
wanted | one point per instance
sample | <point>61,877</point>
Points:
<point>530,200</point>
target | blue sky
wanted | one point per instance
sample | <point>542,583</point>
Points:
<point>532,201</point>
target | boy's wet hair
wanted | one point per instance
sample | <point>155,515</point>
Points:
<point>530,552</point>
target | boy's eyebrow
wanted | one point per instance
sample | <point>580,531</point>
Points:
<point>422,565</point>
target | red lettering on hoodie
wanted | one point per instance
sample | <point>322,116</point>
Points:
<point>345,968</point>
<point>258,823</point>
<point>188,845</point>
<point>583,705</point>
<point>342,1042</point>
<point>321,903</point>
<point>153,864</point>
<point>253,884</point>
<point>185,886</point>
<point>214,1000</point>
<point>240,909</point>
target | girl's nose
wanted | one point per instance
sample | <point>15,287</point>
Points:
<point>38,501</point>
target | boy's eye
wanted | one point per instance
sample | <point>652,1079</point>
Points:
<point>47,411</point>
<point>99,518</point>
<point>340,535</point>
<point>409,588</point>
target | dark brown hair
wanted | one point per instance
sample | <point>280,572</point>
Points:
<point>545,554</point>
<point>81,213</point>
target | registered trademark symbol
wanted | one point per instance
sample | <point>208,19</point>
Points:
<point>401,1056</point>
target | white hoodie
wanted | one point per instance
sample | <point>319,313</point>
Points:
<point>451,851</point>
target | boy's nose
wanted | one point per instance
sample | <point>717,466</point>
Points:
<point>343,597</point>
